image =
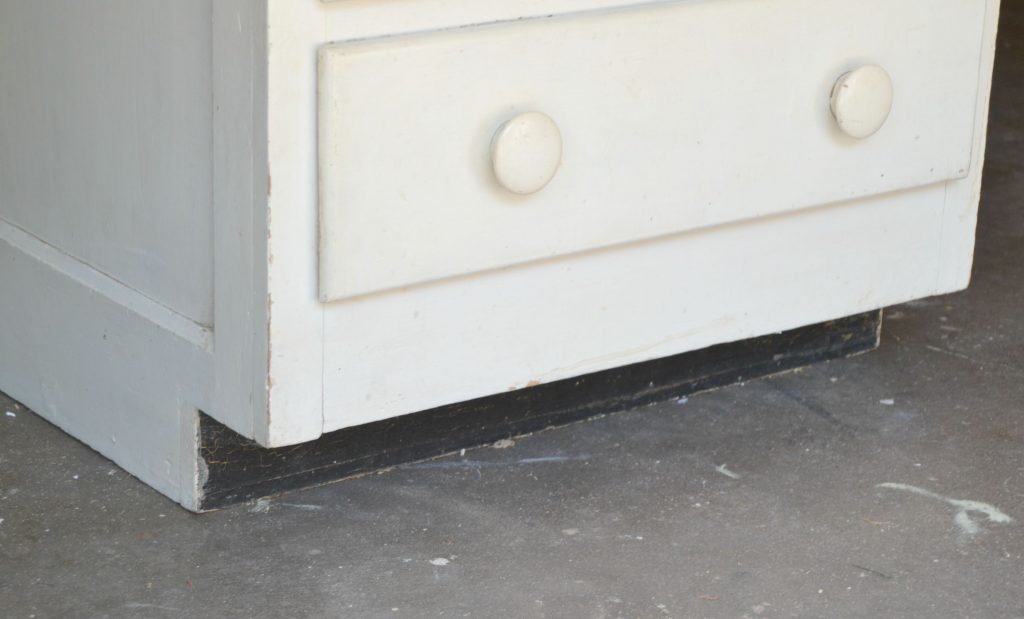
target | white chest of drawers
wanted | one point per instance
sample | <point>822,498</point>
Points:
<point>301,216</point>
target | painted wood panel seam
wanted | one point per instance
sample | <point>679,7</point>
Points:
<point>127,297</point>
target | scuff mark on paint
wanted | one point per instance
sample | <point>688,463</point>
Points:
<point>962,519</point>
<point>440,562</point>
<point>725,471</point>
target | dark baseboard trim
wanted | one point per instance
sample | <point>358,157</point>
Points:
<point>240,470</point>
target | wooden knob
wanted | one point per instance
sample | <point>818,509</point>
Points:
<point>862,100</point>
<point>526,152</point>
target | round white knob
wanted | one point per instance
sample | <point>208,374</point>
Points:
<point>526,152</point>
<point>862,100</point>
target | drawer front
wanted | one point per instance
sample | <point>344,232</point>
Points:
<point>667,118</point>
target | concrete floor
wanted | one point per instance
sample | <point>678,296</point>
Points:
<point>758,500</point>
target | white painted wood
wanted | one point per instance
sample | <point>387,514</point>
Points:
<point>862,100</point>
<point>547,321</point>
<point>120,383</point>
<point>960,208</point>
<point>241,185</point>
<point>295,332</point>
<point>526,152</point>
<point>655,142</point>
<point>130,299</point>
<point>107,148</point>
<point>296,30</point>
<point>105,122</point>
<point>354,353</point>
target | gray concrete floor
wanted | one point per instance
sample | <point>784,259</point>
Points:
<point>627,516</point>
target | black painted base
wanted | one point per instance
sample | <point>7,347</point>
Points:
<point>240,470</point>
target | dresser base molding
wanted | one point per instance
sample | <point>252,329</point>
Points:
<point>237,469</point>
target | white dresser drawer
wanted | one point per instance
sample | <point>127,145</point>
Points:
<point>672,117</point>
